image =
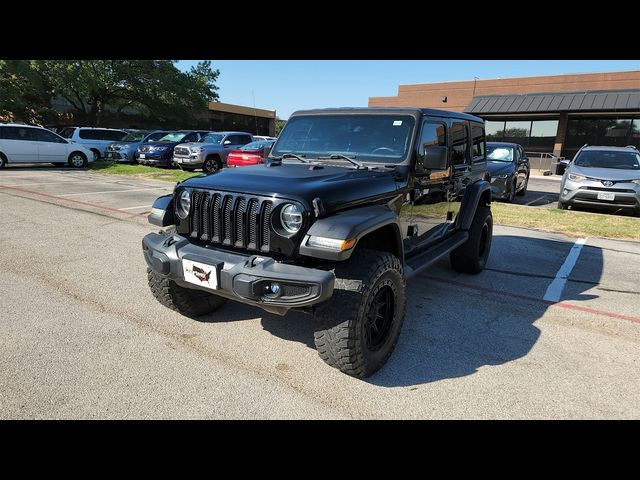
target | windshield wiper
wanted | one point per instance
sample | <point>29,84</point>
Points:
<point>291,155</point>
<point>336,156</point>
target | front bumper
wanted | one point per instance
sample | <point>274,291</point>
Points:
<point>500,187</point>
<point>192,160</point>
<point>154,158</point>
<point>244,278</point>
<point>625,195</point>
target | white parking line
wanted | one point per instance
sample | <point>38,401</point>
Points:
<point>555,288</point>
<point>535,200</point>
<point>133,208</point>
<point>115,191</point>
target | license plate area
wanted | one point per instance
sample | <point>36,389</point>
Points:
<point>606,196</point>
<point>142,155</point>
<point>201,274</point>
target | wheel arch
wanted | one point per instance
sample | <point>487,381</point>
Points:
<point>477,194</point>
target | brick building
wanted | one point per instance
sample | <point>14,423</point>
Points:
<point>555,114</point>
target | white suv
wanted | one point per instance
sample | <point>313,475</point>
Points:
<point>95,139</point>
<point>29,144</point>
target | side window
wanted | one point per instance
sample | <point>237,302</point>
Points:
<point>192,137</point>
<point>478,144</point>
<point>459,144</point>
<point>46,136</point>
<point>111,135</point>
<point>19,133</point>
<point>244,139</point>
<point>432,134</point>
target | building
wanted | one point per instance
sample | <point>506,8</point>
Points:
<point>224,116</point>
<point>547,114</point>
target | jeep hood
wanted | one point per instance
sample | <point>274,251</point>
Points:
<point>337,187</point>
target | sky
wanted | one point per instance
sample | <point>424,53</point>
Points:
<point>290,85</point>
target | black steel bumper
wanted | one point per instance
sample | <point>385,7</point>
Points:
<point>244,278</point>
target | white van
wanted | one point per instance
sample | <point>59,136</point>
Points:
<point>95,139</point>
<point>29,144</point>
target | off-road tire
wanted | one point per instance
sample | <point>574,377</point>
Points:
<point>341,339</point>
<point>472,255</point>
<point>188,302</point>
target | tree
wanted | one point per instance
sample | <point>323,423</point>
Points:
<point>25,93</point>
<point>280,125</point>
<point>155,88</point>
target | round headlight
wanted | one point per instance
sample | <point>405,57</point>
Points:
<point>184,204</point>
<point>291,218</point>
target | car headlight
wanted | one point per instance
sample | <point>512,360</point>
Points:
<point>637,182</point>
<point>184,204</point>
<point>196,150</point>
<point>504,175</point>
<point>577,178</point>
<point>291,218</point>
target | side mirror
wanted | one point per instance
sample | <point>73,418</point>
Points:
<point>226,143</point>
<point>435,157</point>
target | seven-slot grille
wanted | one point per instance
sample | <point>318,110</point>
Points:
<point>231,219</point>
<point>181,151</point>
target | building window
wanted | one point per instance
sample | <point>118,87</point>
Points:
<point>543,135</point>
<point>517,132</point>
<point>494,130</point>
<point>600,131</point>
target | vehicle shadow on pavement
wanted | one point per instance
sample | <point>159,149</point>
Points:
<point>536,198</point>
<point>438,342</point>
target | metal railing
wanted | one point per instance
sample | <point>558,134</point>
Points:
<point>546,162</point>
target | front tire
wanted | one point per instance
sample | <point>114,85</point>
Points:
<point>78,160</point>
<point>3,160</point>
<point>471,256</point>
<point>361,322</point>
<point>188,302</point>
<point>211,165</point>
<point>523,192</point>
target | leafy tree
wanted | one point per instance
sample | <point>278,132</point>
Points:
<point>94,89</point>
<point>280,125</point>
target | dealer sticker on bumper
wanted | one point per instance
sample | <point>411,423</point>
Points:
<point>200,274</point>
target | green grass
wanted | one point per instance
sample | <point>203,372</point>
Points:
<point>141,171</point>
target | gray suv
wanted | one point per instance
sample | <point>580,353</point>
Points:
<point>603,177</point>
<point>210,153</point>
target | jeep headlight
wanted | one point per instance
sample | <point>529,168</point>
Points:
<point>291,218</point>
<point>576,178</point>
<point>183,204</point>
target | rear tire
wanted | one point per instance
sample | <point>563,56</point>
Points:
<point>78,160</point>
<point>523,192</point>
<point>361,322</point>
<point>96,154</point>
<point>512,192</point>
<point>471,256</point>
<point>188,302</point>
<point>3,160</point>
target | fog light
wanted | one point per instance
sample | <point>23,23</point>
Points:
<point>272,289</point>
<point>565,192</point>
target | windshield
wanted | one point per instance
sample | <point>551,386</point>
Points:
<point>608,159</point>
<point>499,153</point>
<point>134,137</point>
<point>154,137</point>
<point>173,137</point>
<point>369,138</point>
<point>257,145</point>
<point>212,138</point>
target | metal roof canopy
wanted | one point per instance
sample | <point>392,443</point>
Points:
<point>585,101</point>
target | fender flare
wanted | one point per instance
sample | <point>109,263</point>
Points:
<point>472,198</point>
<point>351,224</point>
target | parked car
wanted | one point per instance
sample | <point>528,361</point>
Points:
<point>210,153</point>
<point>602,177</point>
<point>250,154</point>
<point>159,153</point>
<point>262,137</point>
<point>29,144</point>
<point>95,139</point>
<point>329,225</point>
<point>125,149</point>
<point>509,169</point>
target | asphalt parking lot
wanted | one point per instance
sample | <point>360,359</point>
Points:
<point>82,336</point>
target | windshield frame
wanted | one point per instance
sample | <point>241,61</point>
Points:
<point>412,117</point>
<point>604,152</point>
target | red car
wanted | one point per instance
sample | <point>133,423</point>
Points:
<point>250,154</point>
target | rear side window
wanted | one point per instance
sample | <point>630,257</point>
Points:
<point>67,132</point>
<point>97,134</point>
<point>42,135</point>
<point>18,133</point>
<point>477,144</point>
<point>459,143</point>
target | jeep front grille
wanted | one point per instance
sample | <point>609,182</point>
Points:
<point>181,151</point>
<point>231,219</point>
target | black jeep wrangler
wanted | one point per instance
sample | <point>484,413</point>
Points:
<point>350,204</point>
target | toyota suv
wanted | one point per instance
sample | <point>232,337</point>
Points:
<point>603,177</point>
<point>210,152</point>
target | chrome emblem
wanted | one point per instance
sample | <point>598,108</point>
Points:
<point>607,183</point>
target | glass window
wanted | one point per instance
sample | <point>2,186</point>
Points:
<point>212,138</point>
<point>192,137</point>
<point>616,132</point>
<point>88,135</point>
<point>544,128</point>
<point>517,129</point>
<point>635,129</point>
<point>259,145</point>
<point>134,137</point>
<point>173,137</point>
<point>494,130</point>
<point>154,137</point>
<point>477,143</point>
<point>500,153</point>
<point>459,144</point>
<point>433,134</point>
<point>19,133</point>
<point>607,159</point>
<point>372,138</point>
<point>67,132</point>
<point>42,135</point>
